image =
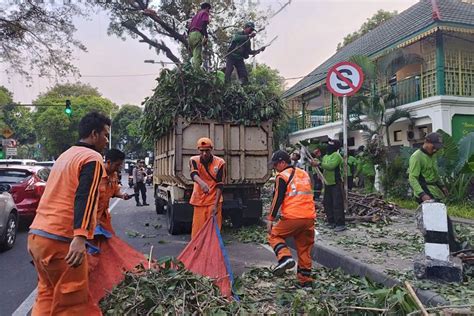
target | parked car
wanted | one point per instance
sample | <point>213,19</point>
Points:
<point>8,218</point>
<point>27,186</point>
<point>21,162</point>
<point>45,163</point>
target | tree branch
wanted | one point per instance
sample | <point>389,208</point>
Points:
<point>161,46</point>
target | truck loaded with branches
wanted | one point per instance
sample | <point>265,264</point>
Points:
<point>189,104</point>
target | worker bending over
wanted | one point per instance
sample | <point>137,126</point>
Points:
<point>293,204</point>
<point>208,174</point>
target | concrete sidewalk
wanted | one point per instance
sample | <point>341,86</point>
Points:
<point>383,253</point>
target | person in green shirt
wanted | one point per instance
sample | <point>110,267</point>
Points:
<point>240,49</point>
<point>423,171</point>
<point>366,170</point>
<point>424,179</point>
<point>351,169</point>
<point>333,197</point>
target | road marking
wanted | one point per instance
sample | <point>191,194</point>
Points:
<point>267,247</point>
<point>27,304</point>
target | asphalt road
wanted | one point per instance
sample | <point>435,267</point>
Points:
<point>141,227</point>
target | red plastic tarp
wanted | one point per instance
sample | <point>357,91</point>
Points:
<point>206,255</point>
<point>106,269</point>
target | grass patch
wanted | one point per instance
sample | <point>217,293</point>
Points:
<point>465,210</point>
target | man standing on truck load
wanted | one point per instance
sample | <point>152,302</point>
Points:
<point>139,177</point>
<point>425,181</point>
<point>198,36</point>
<point>240,49</point>
<point>208,174</point>
<point>65,218</point>
<point>293,202</point>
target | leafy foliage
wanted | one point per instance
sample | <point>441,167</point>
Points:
<point>39,37</point>
<point>170,20</point>
<point>55,130</point>
<point>452,161</point>
<point>18,119</point>
<point>172,289</point>
<point>197,95</point>
<point>126,131</point>
<point>377,19</point>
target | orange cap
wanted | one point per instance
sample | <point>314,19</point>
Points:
<point>204,143</point>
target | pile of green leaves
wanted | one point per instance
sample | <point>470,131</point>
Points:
<point>197,95</point>
<point>169,290</point>
<point>173,290</point>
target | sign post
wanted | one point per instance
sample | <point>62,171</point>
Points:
<point>345,79</point>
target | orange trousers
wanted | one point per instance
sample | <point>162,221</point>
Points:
<point>302,230</point>
<point>202,214</point>
<point>62,289</point>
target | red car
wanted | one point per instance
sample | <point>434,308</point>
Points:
<point>27,186</point>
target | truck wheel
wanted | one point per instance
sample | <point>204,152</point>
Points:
<point>9,236</point>
<point>249,221</point>
<point>174,227</point>
<point>159,206</point>
<point>236,218</point>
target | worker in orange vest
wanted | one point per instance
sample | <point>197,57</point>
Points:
<point>208,174</point>
<point>109,256</point>
<point>109,188</point>
<point>293,204</point>
<point>65,219</point>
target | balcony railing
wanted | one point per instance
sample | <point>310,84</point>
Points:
<point>406,91</point>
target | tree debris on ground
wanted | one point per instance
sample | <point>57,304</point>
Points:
<point>250,234</point>
<point>370,208</point>
<point>174,290</point>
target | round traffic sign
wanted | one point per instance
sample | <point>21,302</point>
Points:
<point>344,79</point>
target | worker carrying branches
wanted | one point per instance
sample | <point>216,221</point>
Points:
<point>240,49</point>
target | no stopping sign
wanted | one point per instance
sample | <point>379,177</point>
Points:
<point>344,79</point>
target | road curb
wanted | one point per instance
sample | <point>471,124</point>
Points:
<point>333,258</point>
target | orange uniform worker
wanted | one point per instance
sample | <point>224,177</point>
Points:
<point>293,199</point>
<point>208,173</point>
<point>65,218</point>
<point>109,188</point>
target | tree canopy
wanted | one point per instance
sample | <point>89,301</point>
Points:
<point>39,38</point>
<point>165,29</point>
<point>55,130</point>
<point>377,19</point>
<point>126,132</point>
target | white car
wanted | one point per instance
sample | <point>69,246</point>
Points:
<point>8,218</point>
<point>22,162</point>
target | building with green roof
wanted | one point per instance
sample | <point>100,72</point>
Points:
<point>435,84</point>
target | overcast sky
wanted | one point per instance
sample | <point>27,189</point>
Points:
<point>308,32</point>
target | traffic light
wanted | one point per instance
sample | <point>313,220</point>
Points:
<point>2,154</point>
<point>68,109</point>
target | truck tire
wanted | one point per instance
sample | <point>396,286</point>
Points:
<point>236,218</point>
<point>174,227</point>
<point>160,206</point>
<point>249,221</point>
